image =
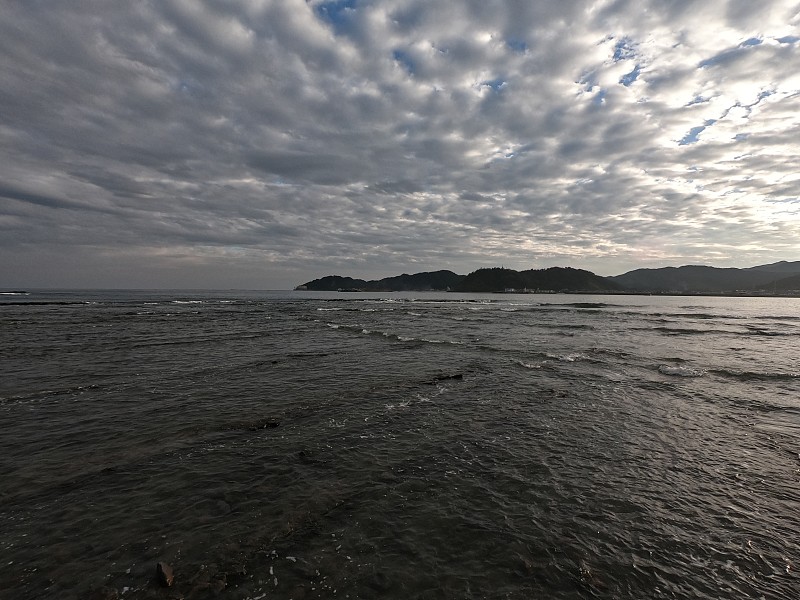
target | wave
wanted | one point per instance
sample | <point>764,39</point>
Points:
<point>526,365</point>
<point>680,330</point>
<point>778,318</point>
<point>756,375</point>
<point>412,300</point>
<point>395,336</point>
<point>590,305</point>
<point>703,316</point>
<point>583,304</point>
<point>573,357</point>
<point>50,303</point>
<point>680,371</point>
<point>558,326</point>
<point>754,330</point>
<point>49,393</point>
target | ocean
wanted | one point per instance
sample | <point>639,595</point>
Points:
<point>398,445</point>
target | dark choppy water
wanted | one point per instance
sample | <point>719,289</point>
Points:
<point>300,445</point>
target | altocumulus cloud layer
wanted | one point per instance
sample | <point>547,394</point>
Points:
<point>260,143</point>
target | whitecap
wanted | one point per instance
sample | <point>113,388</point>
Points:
<point>568,357</point>
<point>528,365</point>
<point>678,371</point>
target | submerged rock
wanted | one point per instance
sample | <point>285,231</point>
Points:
<point>104,593</point>
<point>164,574</point>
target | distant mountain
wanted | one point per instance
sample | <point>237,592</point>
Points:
<point>428,281</point>
<point>557,279</point>
<point>787,284</point>
<point>435,280</point>
<point>703,279</point>
<point>777,277</point>
<point>779,267</point>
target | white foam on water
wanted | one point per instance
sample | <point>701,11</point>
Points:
<point>528,365</point>
<point>678,371</point>
<point>575,356</point>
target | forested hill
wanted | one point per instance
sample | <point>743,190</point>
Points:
<point>702,279</point>
<point>554,279</point>
<point>428,281</point>
<point>781,277</point>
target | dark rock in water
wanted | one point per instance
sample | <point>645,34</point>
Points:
<point>104,593</point>
<point>164,574</point>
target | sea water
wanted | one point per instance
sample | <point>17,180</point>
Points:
<point>347,445</point>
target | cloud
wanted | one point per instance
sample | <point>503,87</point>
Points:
<point>283,139</point>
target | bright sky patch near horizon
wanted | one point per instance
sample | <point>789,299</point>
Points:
<point>262,143</point>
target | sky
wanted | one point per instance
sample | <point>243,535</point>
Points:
<point>258,144</point>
